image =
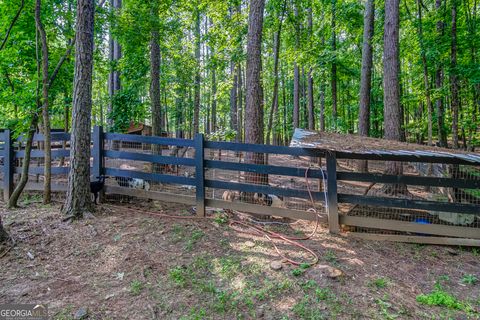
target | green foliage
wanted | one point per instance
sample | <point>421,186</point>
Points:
<point>136,287</point>
<point>469,279</point>
<point>439,297</point>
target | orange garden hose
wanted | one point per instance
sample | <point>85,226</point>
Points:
<point>258,230</point>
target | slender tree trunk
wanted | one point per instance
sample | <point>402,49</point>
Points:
<point>334,64</point>
<point>155,94</point>
<point>196,103</point>
<point>45,113</point>
<point>240,104</point>
<point>78,193</point>
<point>442,136</point>
<point>425,75</point>
<point>213,122</point>
<point>366,76</point>
<point>233,100</point>
<point>454,86</point>
<point>254,90</point>
<point>115,53</point>
<point>276,53</point>
<point>391,88</point>
<point>296,74</point>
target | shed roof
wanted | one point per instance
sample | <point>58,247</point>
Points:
<point>349,143</point>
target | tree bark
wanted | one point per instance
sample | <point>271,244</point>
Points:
<point>334,64</point>
<point>454,86</point>
<point>366,76</point>
<point>425,75</point>
<point>78,199</point>
<point>391,88</point>
<point>155,97</point>
<point>311,107</point>
<point>296,75</point>
<point>276,54</point>
<point>115,53</point>
<point>196,102</point>
<point>239,104</point>
<point>46,117</point>
<point>441,135</point>
<point>254,90</point>
<point>233,100</point>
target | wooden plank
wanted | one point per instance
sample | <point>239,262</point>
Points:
<point>415,239</point>
<point>149,158</point>
<point>40,170</point>
<point>262,148</point>
<point>8,164</point>
<point>154,195</point>
<point>263,189</point>
<point>333,224</point>
<point>200,175</point>
<point>265,169</point>
<point>56,153</point>
<point>97,151</point>
<point>410,204</point>
<point>264,210</point>
<point>149,176</point>
<point>38,186</point>
<point>410,180</point>
<point>404,158</point>
<point>56,136</point>
<point>406,226</point>
<point>149,139</point>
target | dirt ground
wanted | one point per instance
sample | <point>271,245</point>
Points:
<point>125,264</point>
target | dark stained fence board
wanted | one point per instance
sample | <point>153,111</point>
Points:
<point>154,195</point>
<point>404,158</point>
<point>149,158</point>
<point>38,186</point>
<point>234,146</point>
<point>265,169</point>
<point>397,225</point>
<point>263,189</point>
<point>40,170</point>
<point>56,136</point>
<point>149,176</point>
<point>415,239</point>
<point>410,204</point>
<point>200,175</point>
<point>97,151</point>
<point>410,180</point>
<point>149,139</point>
<point>333,223</point>
<point>8,163</point>
<point>264,210</point>
<point>58,153</point>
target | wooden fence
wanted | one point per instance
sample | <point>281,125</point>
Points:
<point>410,231</point>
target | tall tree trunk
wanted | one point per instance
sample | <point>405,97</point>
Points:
<point>276,54</point>
<point>391,88</point>
<point>46,117</point>
<point>115,53</point>
<point>425,75</point>
<point>296,74</point>
<point>78,193</point>
<point>442,136</point>
<point>213,122</point>
<point>196,102</point>
<point>233,100</point>
<point>366,76</point>
<point>311,107</point>
<point>334,64</point>
<point>454,86</point>
<point>254,90</point>
<point>155,94</point>
<point>240,104</point>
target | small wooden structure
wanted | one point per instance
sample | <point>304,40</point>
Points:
<point>438,198</point>
<point>139,128</point>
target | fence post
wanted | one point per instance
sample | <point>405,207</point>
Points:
<point>333,220</point>
<point>8,165</point>
<point>199,175</point>
<point>97,151</point>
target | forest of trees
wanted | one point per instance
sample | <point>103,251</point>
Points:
<point>241,70</point>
